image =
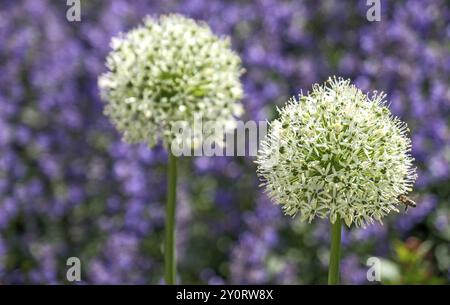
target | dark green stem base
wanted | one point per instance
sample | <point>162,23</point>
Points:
<point>169,248</point>
<point>335,253</point>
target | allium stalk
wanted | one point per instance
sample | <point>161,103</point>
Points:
<point>170,70</point>
<point>170,250</point>
<point>335,252</point>
<point>337,153</point>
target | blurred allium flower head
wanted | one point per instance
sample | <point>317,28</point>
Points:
<point>167,70</point>
<point>337,152</point>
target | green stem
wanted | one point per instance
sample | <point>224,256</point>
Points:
<point>333,271</point>
<point>169,249</point>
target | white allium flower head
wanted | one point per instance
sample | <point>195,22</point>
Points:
<point>337,152</point>
<point>170,69</point>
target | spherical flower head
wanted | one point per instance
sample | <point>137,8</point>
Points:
<point>171,69</point>
<point>339,153</point>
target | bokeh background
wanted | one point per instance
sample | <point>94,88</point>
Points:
<point>70,187</point>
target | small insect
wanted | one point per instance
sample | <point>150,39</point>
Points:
<point>406,201</point>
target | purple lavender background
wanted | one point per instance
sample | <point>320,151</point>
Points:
<point>70,187</point>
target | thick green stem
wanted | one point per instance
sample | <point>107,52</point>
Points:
<point>335,253</point>
<point>169,249</point>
